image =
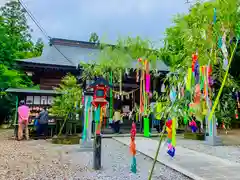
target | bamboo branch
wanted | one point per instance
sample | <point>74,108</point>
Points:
<point>223,83</point>
<point>158,148</point>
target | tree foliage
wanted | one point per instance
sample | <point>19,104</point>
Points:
<point>197,32</point>
<point>94,38</point>
<point>16,29</point>
<point>69,100</point>
<point>117,58</point>
<point>15,43</point>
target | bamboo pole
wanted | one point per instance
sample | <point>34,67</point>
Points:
<point>158,148</point>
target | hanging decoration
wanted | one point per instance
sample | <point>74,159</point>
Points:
<point>224,51</point>
<point>193,125</point>
<point>147,88</point>
<point>238,104</point>
<point>141,107</point>
<point>111,98</point>
<point>125,94</point>
<point>189,80</point>
<point>146,130</point>
<point>163,88</point>
<point>194,60</point>
<point>87,108</point>
<point>147,83</point>
<point>97,115</point>
<point>236,114</point>
<point>171,141</point>
<point>214,16</point>
<point>133,148</point>
<point>173,94</point>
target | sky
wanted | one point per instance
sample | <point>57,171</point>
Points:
<point>110,19</point>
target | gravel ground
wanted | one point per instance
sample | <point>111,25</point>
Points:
<point>42,160</point>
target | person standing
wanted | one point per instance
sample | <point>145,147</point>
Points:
<point>42,123</point>
<point>116,121</point>
<point>23,116</point>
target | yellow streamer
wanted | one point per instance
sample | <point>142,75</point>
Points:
<point>189,79</point>
<point>174,132</point>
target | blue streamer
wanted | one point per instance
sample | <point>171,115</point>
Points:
<point>215,16</point>
<point>171,152</point>
<point>196,72</point>
<point>97,115</point>
<point>173,95</point>
<point>134,165</point>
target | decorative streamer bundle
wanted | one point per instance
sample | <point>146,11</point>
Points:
<point>193,125</point>
<point>111,99</point>
<point>133,148</point>
<point>236,111</point>
<point>171,139</point>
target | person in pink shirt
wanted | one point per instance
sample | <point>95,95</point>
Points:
<point>23,116</point>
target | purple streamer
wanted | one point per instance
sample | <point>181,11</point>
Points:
<point>196,72</point>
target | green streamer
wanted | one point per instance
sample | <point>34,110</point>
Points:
<point>146,127</point>
<point>189,79</point>
<point>174,132</point>
<point>86,117</point>
<point>97,117</point>
<point>158,110</point>
<point>193,80</point>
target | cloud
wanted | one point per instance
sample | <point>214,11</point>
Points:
<point>76,19</point>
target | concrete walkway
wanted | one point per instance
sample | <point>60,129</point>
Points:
<point>198,166</point>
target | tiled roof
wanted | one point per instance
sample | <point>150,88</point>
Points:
<point>31,91</point>
<point>63,52</point>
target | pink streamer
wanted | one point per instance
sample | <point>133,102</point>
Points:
<point>170,146</point>
<point>148,83</point>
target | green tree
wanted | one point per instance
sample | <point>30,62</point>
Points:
<point>68,103</point>
<point>15,43</point>
<point>94,38</point>
<point>17,30</point>
<point>119,57</point>
<point>7,53</point>
<point>16,26</point>
<point>38,48</point>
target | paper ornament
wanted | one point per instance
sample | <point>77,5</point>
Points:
<point>225,63</point>
<point>163,88</point>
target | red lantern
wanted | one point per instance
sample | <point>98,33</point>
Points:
<point>100,87</point>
